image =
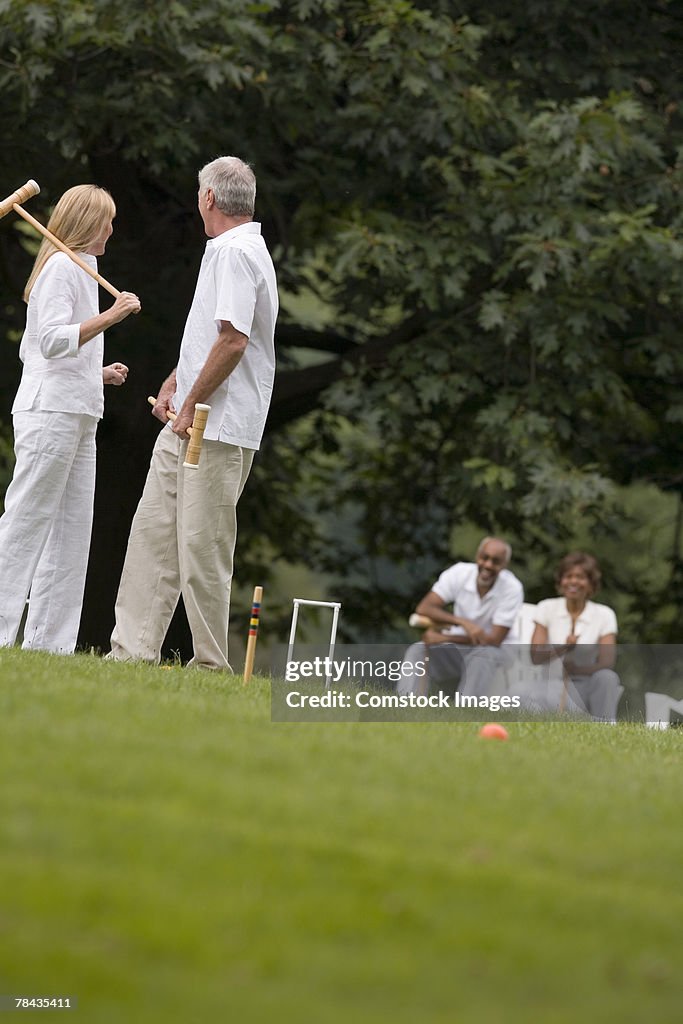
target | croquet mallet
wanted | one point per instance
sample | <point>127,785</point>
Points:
<point>13,202</point>
<point>422,622</point>
<point>566,678</point>
<point>253,633</point>
<point>196,432</point>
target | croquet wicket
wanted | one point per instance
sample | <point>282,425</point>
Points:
<point>296,601</point>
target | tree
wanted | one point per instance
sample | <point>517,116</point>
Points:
<point>479,208</point>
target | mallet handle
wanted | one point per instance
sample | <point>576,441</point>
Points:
<point>65,249</point>
<point>169,415</point>
<point>566,678</point>
<point>31,188</point>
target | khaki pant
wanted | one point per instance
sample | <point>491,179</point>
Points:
<point>182,541</point>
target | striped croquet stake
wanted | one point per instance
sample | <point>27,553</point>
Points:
<point>253,633</point>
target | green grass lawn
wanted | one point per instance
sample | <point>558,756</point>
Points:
<point>169,854</point>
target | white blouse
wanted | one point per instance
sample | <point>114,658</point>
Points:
<point>58,375</point>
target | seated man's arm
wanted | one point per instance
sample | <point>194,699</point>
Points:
<point>434,607</point>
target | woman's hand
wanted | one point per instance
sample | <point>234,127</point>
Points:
<point>115,373</point>
<point>123,306</point>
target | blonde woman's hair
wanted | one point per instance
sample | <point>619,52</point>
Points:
<point>77,219</point>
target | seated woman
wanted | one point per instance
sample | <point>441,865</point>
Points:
<point>582,634</point>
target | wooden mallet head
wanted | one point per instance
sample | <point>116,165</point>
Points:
<point>31,188</point>
<point>421,622</point>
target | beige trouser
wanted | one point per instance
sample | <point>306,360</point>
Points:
<point>182,541</point>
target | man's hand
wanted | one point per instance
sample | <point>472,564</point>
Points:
<point>164,403</point>
<point>115,373</point>
<point>434,636</point>
<point>476,634</point>
<point>183,422</point>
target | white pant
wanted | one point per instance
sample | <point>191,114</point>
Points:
<point>182,541</point>
<point>45,530</point>
<point>597,694</point>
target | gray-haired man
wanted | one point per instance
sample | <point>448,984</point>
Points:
<point>182,540</point>
<point>466,644</point>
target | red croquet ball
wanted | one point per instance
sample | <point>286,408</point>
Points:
<point>493,731</point>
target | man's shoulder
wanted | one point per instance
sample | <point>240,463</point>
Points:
<point>246,252</point>
<point>460,570</point>
<point>454,577</point>
<point>510,581</point>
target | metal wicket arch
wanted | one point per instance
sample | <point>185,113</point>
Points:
<point>296,601</point>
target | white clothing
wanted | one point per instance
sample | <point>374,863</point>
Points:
<point>182,540</point>
<point>45,529</point>
<point>236,283</point>
<point>46,526</point>
<point>473,669</point>
<point>500,606</point>
<point>599,693</point>
<point>594,622</point>
<point>58,375</point>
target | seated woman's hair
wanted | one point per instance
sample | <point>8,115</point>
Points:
<point>580,560</point>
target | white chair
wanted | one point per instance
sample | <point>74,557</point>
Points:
<point>658,708</point>
<point>540,687</point>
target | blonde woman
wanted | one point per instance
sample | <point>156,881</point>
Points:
<point>46,526</point>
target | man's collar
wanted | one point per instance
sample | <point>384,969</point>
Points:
<point>251,227</point>
<point>471,582</point>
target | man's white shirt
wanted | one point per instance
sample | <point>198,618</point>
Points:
<point>500,606</point>
<point>236,284</point>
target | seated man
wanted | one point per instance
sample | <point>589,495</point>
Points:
<point>486,599</point>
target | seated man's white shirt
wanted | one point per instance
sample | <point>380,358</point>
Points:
<point>500,606</point>
<point>236,284</point>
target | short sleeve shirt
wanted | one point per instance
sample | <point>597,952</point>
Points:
<point>236,284</point>
<point>594,622</point>
<point>500,606</point>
